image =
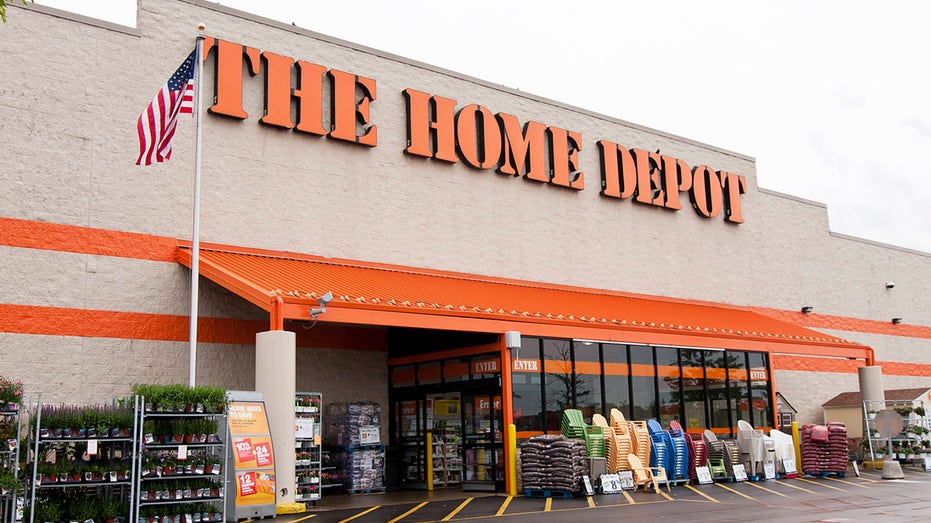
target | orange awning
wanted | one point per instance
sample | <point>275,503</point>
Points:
<point>288,285</point>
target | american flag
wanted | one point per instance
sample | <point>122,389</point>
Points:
<point>157,123</point>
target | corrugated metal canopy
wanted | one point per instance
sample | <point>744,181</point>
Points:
<point>370,293</point>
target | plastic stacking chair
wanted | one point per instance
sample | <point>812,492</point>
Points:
<point>716,452</point>
<point>644,476</point>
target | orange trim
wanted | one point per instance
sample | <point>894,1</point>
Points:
<point>809,364</point>
<point>30,234</point>
<point>507,409</point>
<point>842,323</point>
<point>640,369</point>
<point>616,369</point>
<point>587,367</point>
<point>445,355</point>
<point>59,321</point>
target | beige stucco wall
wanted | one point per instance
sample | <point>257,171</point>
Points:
<point>68,105</point>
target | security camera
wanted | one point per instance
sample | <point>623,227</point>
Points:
<point>326,298</point>
<point>321,301</point>
<point>890,284</point>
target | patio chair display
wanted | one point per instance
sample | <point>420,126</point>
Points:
<point>660,447</point>
<point>784,448</point>
<point>750,443</point>
<point>573,426</point>
<point>716,455</point>
<point>645,476</point>
<point>617,456</point>
<point>680,453</point>
<point>640,440</point>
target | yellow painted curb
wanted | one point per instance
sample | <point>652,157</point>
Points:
<point>291,508</point>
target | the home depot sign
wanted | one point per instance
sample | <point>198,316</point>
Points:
<point>442,129</point>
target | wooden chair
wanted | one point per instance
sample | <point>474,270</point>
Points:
<point>646,475</point>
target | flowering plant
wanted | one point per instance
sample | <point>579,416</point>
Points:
<point>10,391</point>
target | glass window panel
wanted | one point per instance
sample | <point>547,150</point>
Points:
<point>428,373</point>
<point>739,387</point>
<point>455,370</point>
<point>587,379</point>
<point>557,368</point>
<point>715,379</point>
<point>693,390</point>
<point>667,380</point>
<point>617,374</point>
<point>759,390</point>
<point>402,376</point>
<point>527,387</point>
<point>643,380</point>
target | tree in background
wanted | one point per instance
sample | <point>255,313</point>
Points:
<point>3,9</point>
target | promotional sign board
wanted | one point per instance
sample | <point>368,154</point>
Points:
<point>253,460</point>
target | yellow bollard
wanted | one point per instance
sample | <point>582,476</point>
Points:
<point>798,447</point>
<point>512,459</point>
<point>429,460</point>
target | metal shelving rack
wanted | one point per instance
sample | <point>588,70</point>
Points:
<point>9,463</point>
<point>213,469</point>
<point>41,440</point>
<point>308,414</point>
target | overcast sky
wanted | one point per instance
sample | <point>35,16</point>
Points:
<point>832,98</point>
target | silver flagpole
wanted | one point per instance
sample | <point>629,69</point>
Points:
<point>195,234</point>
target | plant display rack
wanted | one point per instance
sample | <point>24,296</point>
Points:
<point>11,483</point>
<point>308,414</point>
<point>912,445</point>
<point>181,457</point>
<point>447,452</point>
<point>81,460</point>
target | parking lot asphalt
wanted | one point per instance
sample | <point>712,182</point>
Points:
<point>868,497</point>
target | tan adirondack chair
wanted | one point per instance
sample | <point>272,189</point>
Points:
<point>643,476</point>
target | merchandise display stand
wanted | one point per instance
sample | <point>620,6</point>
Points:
<point>308,459</point>
<point>11,423</point>
<point>354,432</point>
<point>250,458</point>
<point>65,486</point>
<point>181,462</point>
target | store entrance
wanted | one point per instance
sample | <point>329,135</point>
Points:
<point>463,425</point>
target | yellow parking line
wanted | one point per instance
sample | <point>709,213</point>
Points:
<point>549,505</point>
<point>702,494</point>
<point>303,518</point>
<point>360,514</point>
<point>630,500</point>
<point>667,496</point>
<point>741,494</point>
<point>796,487</point>
<point>845,482</point>
<point>819,484</point>
<point>457,509</point>
<point>408,513</point>
<point>591,502</point>
<point>769,490</point>
<point>504,506</point>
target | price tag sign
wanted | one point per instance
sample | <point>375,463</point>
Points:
<point>610,484</point>
<point>369,435</point>
<point>92,447</point>
<point>627,480</point>
<point>769,470</point>
<point>704,475</point>
<point>927,463</point>
<point>587,484</point>
<point>788,464</point>
<point>740,472</point>
<point>182,452</point>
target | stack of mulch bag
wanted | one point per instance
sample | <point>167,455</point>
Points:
<point>824,448</point>
<point>552,462</point>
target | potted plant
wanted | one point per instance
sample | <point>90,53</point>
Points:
<point>920,411</point>
<point>11,394</point>
<point>49,511</point>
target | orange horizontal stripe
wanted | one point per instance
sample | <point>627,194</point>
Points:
<point>640,369</point>
<point>59,321</point>
<point>587,367</point>
<point>616,369</point>
<point>809,364</point>
<point>842,323</point>
<point>85,240</point>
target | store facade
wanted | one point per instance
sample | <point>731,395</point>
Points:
<point>632,268</point>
